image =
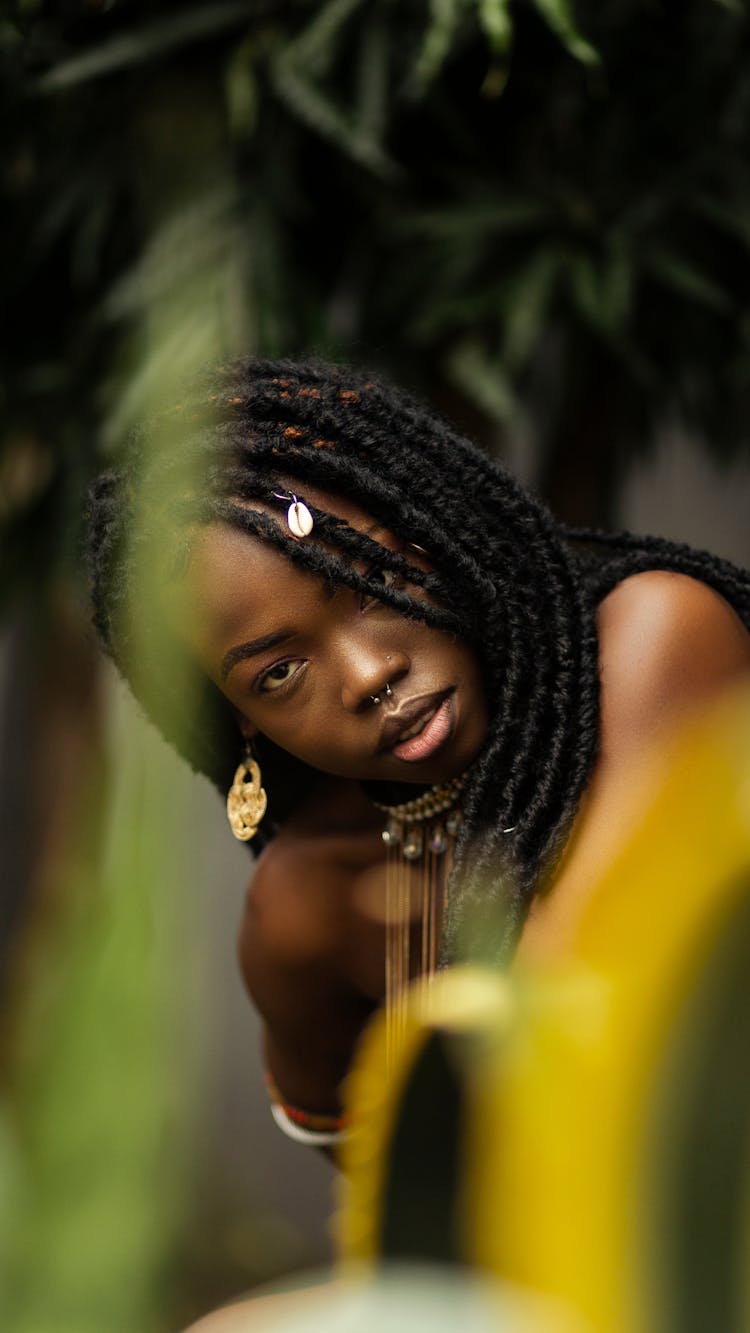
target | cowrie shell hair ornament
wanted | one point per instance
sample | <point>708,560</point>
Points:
<point>299,520</point>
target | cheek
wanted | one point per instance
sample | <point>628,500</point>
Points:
<point>308,734</point>
<point>471,675</point>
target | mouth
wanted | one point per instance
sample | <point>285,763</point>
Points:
<point>419,728</point>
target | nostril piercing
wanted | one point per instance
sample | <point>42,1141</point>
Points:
<point>387,691</point>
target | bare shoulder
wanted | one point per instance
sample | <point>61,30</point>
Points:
<point>667,642</point>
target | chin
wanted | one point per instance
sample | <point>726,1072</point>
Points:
<point>441,768</point>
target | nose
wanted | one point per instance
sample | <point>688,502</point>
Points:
<point>367,669</point>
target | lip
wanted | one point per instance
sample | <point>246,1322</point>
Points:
<point>423,744</point>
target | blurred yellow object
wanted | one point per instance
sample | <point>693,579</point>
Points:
<point>593,1093</point>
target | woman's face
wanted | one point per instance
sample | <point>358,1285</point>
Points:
<point>304,667</point>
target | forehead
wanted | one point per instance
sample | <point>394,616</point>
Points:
<point>232,573</point>
<point>235,579</point>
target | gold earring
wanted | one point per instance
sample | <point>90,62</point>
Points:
<point>246,799</point>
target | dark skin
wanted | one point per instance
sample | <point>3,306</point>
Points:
<point>312,941</point>
<point>302,666</point>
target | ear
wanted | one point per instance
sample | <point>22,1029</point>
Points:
<point>247,728</point>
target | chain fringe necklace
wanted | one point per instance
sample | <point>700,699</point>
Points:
<point>420,838</point>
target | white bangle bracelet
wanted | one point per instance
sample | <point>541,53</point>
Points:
<point>314,1138</point>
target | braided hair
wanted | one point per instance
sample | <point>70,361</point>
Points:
<point>504,575</point>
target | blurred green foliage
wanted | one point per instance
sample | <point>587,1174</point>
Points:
<point>102,1094</point>
<point>535,213</point>
<point>530,214</point>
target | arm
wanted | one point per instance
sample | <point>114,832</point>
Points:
<point>667,645</point>
<point>310,954</point>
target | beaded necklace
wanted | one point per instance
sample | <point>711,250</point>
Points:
<point>420,837</point>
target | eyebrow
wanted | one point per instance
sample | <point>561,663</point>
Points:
<point>254,646</point>
<point>250,649</point>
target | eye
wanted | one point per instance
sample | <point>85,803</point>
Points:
<point>387,577</point>
<point>278,676</point>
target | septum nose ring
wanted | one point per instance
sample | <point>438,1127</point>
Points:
<point>386,690</point>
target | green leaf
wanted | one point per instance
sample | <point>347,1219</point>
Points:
<point>617,288</point>
<point>474,219</point>
<point>494,17</point>
<point>297,71</point>
<point>733,220</point>
<point>454,302</point>
<point>445,19</point>
<point>96,1182</point>
<point>190,240</point>
<point>479,375</point>
<point>319,113</point>
<point>674,271</point>
<point>526,301</point>
<point>242,90</point>
<point>144,44</point>
<point>314,48</point>
<point>559,16</point>
<point>372,77</point>
<point>11,39</point>
<point>583,285</point>
<point>602,292</point>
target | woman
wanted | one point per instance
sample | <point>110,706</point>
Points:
<point>415,650</point>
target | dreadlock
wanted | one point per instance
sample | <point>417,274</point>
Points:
<point>504,575</point>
